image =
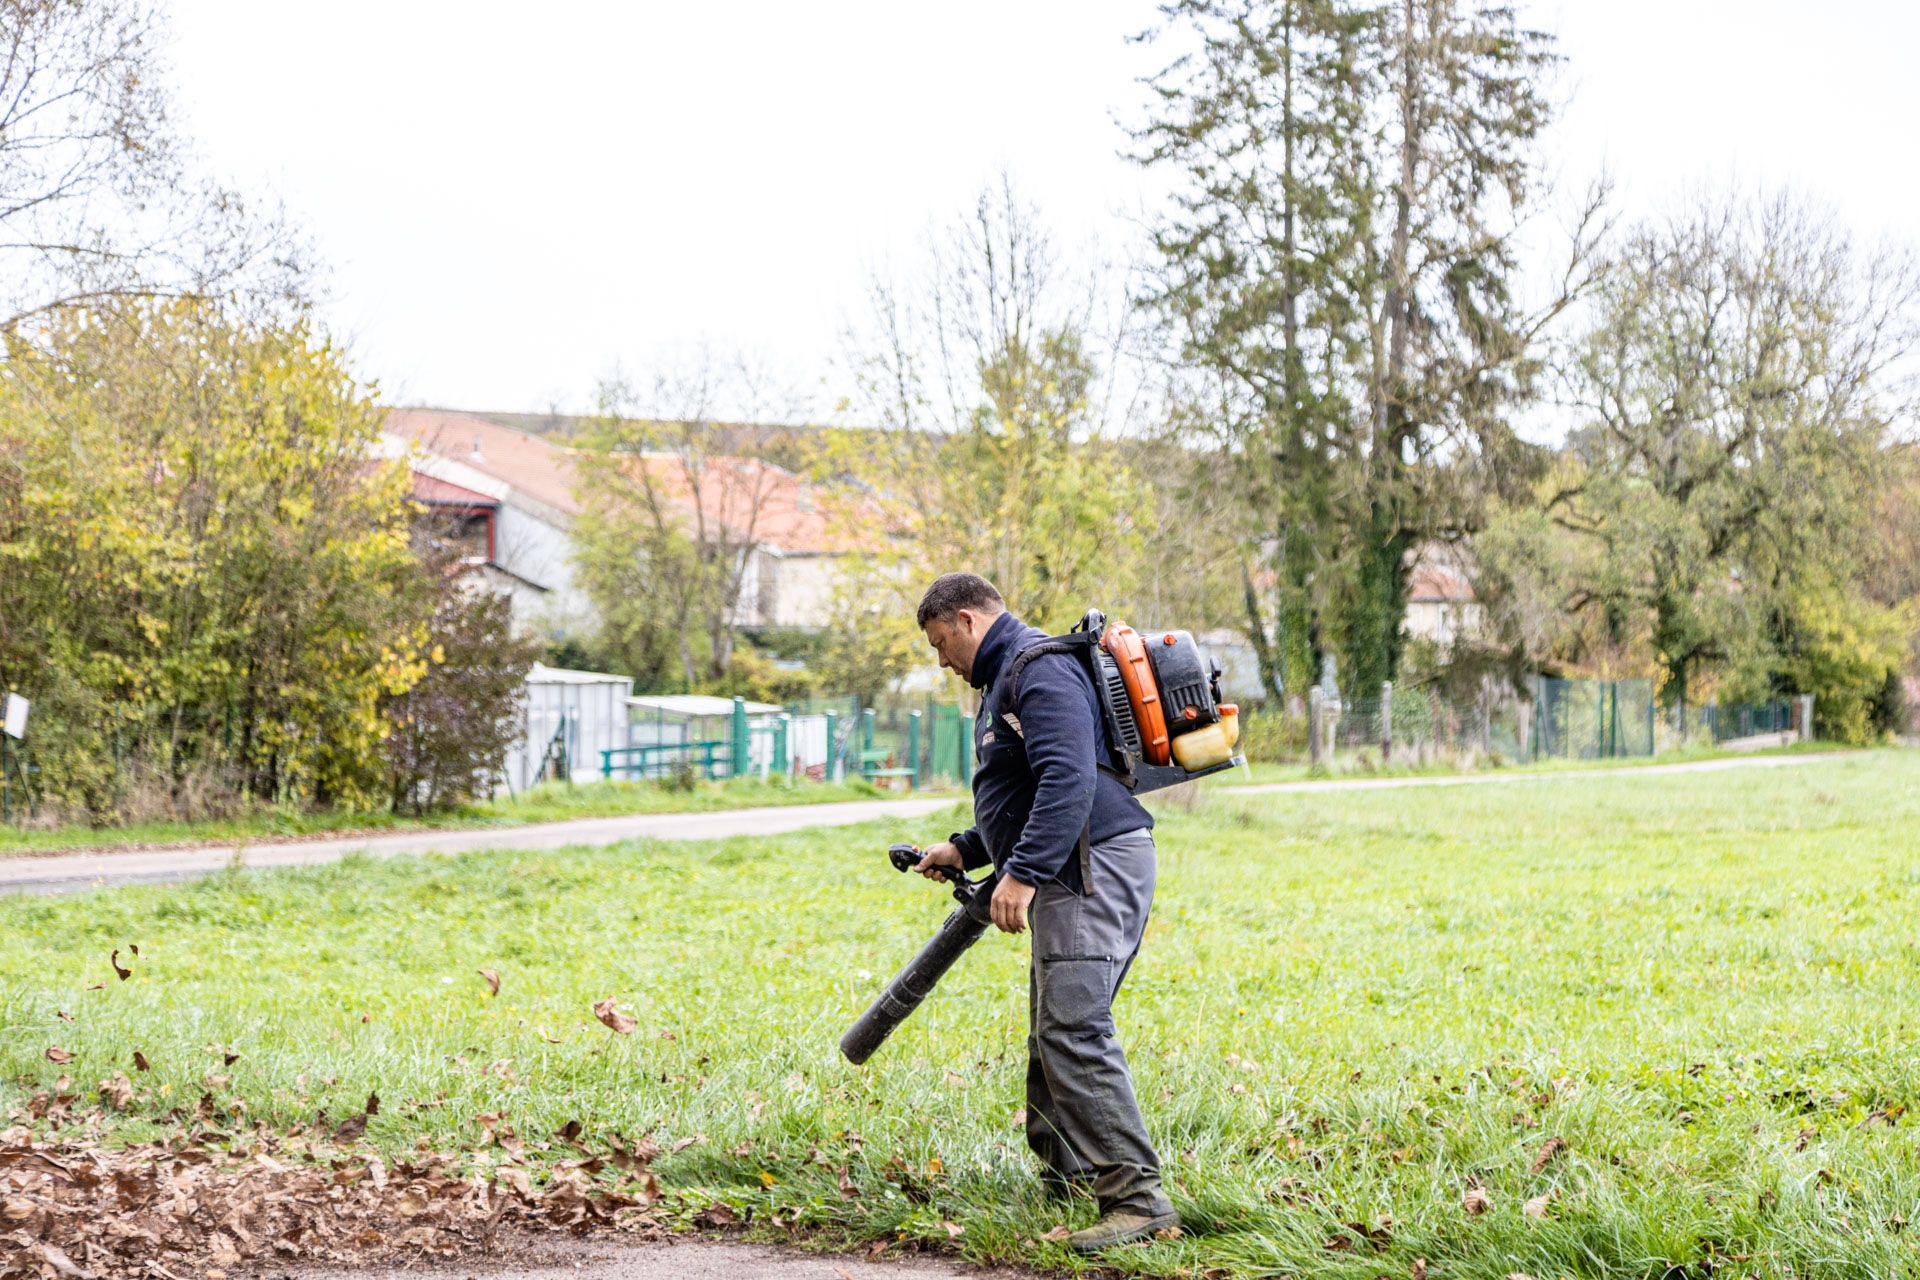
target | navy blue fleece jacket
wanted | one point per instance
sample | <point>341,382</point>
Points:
<point>1039,747</point>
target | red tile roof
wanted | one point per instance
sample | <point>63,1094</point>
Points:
<point>786,511</point>
<point>443,493</point>
<point>536,467</point>
<point>1431,585</point>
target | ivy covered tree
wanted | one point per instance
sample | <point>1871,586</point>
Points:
<point>1338,267</point>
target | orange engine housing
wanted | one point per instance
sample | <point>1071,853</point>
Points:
<point>1129,653</point>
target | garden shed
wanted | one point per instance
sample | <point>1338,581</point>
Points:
<point>571,718</point>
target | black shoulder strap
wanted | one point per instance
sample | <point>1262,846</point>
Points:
<point>1067,644</point>
<point>1052,644</point>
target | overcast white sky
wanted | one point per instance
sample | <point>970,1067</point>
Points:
<point>515,199</point>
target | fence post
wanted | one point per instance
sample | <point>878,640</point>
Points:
<point>913,746</point>
<point>966,750</point>
<point>739,749</point>
<point>781,727</point>
<point>1316,716</point>
<point>1806,717</point>
<point>1523,714</point>
<point>828,774</point>
<point>1386,721</point>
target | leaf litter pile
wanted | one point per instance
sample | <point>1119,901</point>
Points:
<point>201,1200</point>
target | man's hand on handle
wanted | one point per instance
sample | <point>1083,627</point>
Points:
<point>944,854</point>
<point>1010,897</point>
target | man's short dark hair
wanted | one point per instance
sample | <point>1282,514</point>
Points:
<point>952,592</point>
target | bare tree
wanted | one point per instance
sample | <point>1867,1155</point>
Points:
<point>991,390</point>
<point>97,197</point>
<point>679,488</point>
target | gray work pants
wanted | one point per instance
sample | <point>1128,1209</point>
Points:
<point>1082,1119</point>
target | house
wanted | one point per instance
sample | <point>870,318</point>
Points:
<point>1440,602</point>
<point>510,498</point>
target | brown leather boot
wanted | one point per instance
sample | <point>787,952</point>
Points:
<point>1120,1227</point>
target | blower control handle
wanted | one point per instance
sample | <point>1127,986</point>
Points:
<point>905,857</point>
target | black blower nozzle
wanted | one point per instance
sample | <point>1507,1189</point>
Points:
<point>922,974</point>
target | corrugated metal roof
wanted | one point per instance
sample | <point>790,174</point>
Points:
<point>698,705</point>
<point>542,674</point>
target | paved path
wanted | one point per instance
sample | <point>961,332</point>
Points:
<point>67,872</point>
<point>603,1258</point>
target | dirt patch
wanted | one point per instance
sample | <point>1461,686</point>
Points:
<point>229,1202</point>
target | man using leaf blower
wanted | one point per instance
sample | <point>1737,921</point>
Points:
<point>1076,859</point>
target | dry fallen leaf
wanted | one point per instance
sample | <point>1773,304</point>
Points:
<point>1168,1233</point>
<point>63,1015</point>
<point>1058,1234</point>
<point>1020,1118</point>
<point>98,986</point>
<point>57,1054</point>
<point>350,1128</point>
<point>606,1011</point>
<point>114,960</point>
<point>140,1062</point>
<point>116,1090</point>
<point>957,1081</point>
<point>1476,1201</point>
<point>843,1273</point>
<point>1548,1150</point>
<point>493,981</point>
<point>686,1142</point>
<point>373,1104</point>
<point>1419,1269</point>
<point>1537,1207</point>
<point>954,1229</point>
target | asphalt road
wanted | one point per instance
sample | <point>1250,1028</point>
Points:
<point>612,1258</point>
<point>72,872</point>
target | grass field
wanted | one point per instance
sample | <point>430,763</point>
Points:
<point>549,802</point>
<point>1353,1013</point>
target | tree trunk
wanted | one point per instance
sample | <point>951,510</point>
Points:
<point>1270,672</point>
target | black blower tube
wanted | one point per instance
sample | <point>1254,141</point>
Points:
<point>922,974</point>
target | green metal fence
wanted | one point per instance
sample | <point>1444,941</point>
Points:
<point>1592,719</point>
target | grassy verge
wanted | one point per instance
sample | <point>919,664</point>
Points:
<point>1365,763</point>
<point>549,802</point>
<point>1669,1013</point>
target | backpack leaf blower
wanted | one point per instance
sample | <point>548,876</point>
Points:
<point>1159,697</point>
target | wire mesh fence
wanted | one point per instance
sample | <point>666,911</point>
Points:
<point>1417,723</point>
<point>1593,719</point>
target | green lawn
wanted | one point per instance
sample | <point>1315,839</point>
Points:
<point>549,802</point>
<point>1351,1011</point>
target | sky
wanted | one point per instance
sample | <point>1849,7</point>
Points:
<point>512,211</point>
